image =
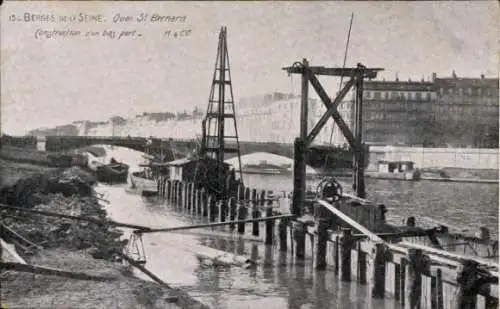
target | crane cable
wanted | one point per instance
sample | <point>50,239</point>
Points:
<point>341,78</point>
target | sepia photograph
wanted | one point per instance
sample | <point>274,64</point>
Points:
<point>249,154</point>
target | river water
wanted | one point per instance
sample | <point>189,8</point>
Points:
<point>279,282</point>
<point>464,205</point>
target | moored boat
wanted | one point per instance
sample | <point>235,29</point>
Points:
<point>143,183</point>
<point>394,170</point>
<point>112,173</point>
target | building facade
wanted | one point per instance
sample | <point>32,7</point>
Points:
<point>272,118</point>
<point>394,112</point>
<point>466,111</point>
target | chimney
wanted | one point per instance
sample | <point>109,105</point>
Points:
<point>482,76</point>
<point>409,80</point>
<point>453,74</point>
<point>434,76</point>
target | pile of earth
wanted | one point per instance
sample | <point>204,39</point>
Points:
<point>27,192</point>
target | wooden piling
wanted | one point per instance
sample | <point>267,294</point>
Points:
<point>255,204</point>
<point>212,206</point>
<point>438,291</point>
<point>169,188</point>
<point>232,211</point>
<point>417,265</point>
<point>336,255</point>
<point>402,280</point>
<point>269,226</point>
<point>193,199</point>
<point>378,271</point>
<point>283,234</point>
<point>468,288</point>
<point>321,244</point>
<point>362,265</point>
<point>223,210</point>
<point>185,197</point>
<point>205,203</point>
<point>299,234</point>
<point>242,215</point>
<point>345,262</point>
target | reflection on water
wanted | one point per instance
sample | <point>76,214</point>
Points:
<point>278,281</point>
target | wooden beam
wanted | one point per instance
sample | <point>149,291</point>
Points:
<point>329,112</point>
<point>372,236</point>
<point>335,114</point>
<point>452,255</point>
<point>366,72</point>
<point>92,220</point>
<point>52,272</point>
<point>142,268</point>
<point>12,251</point>
<point>198,226</point>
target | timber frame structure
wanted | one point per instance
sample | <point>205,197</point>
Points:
<point>304,141</point>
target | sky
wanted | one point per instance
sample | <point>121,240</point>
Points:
<point>49,82</point>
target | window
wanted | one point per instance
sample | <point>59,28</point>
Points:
<point>418,96</point>
<point>428,96</point>
<point>377,95</point>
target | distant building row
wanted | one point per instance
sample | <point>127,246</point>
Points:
<point>460,112</point>
<point>455,112</point>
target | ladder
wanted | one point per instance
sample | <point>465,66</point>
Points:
<point>216,142</point>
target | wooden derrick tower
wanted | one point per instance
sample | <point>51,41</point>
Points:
<point>220,132</point>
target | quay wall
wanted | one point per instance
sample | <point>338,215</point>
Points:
<point>470,158</point>
<point>413,274</point>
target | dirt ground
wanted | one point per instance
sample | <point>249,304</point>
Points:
<point>71,246</point>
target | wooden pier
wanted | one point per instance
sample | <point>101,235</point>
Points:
<point>350,238</point>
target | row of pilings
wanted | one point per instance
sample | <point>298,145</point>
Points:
<point>416,278</point>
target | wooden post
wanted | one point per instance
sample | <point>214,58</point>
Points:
<point>241,192</point>
<point>212,209</point>
<point>439,289</point>
<point>181,190</point>
<point>169,188</point>
<point>205,202</point>
<point>193,199</point>
<point>185,196</point>
<point>282,230</point>
<point>299,234</point>
<point>378,275</point>
<point>269,225</point>
<point>402,279</point>
<point>418,264</point>
<point>174,193</point>
<point>242,215</point>
<point>362,264</point>
<point>255,225</point>
<point>232,211</point>
<point>223,210</point>
<point>336,255</point>
<point>345,265</point>
<point>321,244</point>
<point>468,286</point>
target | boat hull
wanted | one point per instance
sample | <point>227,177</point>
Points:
<point>116,173</point>
<point>143,185</point>
<point>408,176</point>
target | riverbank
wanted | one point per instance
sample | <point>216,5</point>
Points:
<point>70,245</point>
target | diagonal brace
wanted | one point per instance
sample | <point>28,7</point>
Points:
<point>356,145</point>
<point>331,108</point>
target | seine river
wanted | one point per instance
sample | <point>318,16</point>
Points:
<point>277,282</point>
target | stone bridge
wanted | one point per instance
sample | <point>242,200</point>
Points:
<point>339,158</point>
